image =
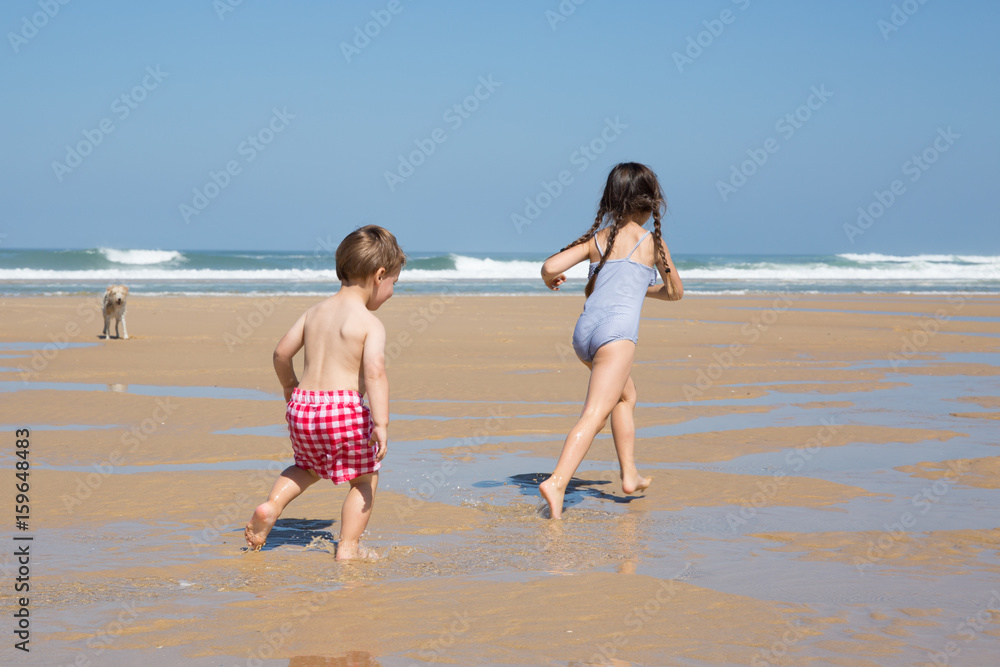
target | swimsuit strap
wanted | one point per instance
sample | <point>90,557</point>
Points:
<point>598,244</point>
<point>637,244</point>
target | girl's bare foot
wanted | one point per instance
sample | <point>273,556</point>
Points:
<point>553,496</point>
<point>633,483</point>
<point>260,526</point>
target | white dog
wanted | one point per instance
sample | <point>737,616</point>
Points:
<point>114,307</point>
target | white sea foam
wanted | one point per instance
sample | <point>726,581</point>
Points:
<point>474,268</point>
<point>805,273</point>
<point>140,257</point>
<point>911,259</point>
<point>923,270</point>
<point>170,275</point>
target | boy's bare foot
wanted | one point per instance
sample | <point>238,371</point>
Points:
<point>553,496</point>
<point>633,483</point>
<point>355,551</point>
<point>260,525</point>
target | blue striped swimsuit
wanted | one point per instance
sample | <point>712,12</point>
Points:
<point>612,310</point>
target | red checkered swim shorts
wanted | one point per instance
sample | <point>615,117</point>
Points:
<point>330,431</point>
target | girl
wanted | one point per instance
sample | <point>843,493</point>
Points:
<point>622,259</point>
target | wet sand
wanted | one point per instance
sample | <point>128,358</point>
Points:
<point>826,488</point>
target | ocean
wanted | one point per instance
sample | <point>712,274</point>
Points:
<point>175,272</point>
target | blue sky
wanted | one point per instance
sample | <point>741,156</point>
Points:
<point>769,124</point>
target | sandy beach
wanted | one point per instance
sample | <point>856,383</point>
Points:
<point>826,488</point>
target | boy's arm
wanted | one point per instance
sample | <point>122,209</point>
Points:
<point>377,385</point>
<point>554,268</point>
<point>672,288</point>
<point>287,347</point>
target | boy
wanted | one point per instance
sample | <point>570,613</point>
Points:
<point>333,434</point>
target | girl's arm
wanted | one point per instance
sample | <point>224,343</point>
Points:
<point>555,267</point>
<point>287,348</point>
<point>672,288</point>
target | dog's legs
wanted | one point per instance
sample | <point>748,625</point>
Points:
<point>124,330</point>
<point>107,326</point>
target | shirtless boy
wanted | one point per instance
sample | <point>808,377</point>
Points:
<point>334,435</point>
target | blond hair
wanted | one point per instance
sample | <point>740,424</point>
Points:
<point>366,250</point>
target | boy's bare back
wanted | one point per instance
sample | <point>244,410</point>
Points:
<point>340,336</point>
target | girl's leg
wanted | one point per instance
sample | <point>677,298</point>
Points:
<point>623,430</point>
<point>355,514</point>
<point>608,375</point>
<point>293,481</point>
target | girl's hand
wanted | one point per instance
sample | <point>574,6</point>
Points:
<point>556,282</point>
<point>288,392</point>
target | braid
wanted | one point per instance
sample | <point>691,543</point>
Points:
<point>604,258</point>
<point>658,239</point>
<point>586,237</point>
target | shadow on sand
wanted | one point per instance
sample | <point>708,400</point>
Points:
<point>299,532</point>
<point>576,490</point>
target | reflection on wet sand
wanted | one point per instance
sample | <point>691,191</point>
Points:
<point>349,659</point>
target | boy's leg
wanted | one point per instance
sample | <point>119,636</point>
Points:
<point>608,375</point>
<point>355,514</point>
<point>292,481</point>
<point>623,431</point>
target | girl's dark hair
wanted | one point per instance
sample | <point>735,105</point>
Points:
<point>632,191</point>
